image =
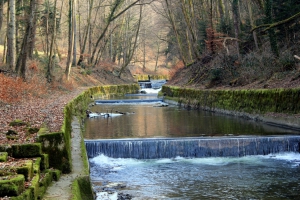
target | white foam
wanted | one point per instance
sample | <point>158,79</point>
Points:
<point>150,90</point>
<point>291,157</point>
<point>119,163</point>
<point>288,156</point>
<point>107,196</point>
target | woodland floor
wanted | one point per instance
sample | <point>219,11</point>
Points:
<point>43,106</point>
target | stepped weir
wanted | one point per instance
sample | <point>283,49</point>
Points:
<point>154,148</point>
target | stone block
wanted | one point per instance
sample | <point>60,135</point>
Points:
<point>3,156</point>
<point>12,185</point>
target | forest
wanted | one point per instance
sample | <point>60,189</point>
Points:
<point>227,42</point>
<point>53,51</point>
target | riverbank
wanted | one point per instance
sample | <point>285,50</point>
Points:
<point>62,189</point>
<point>48,112</point>
<point>276,107</point>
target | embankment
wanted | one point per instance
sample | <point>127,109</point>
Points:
<point>81,187</point>
<point>278,107</point>
<point>37,165</point>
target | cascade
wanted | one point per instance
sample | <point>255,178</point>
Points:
<point>129,101</point>
<point>192,147</point>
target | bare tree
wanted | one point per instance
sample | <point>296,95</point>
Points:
<point>75,34</point>
<point>1,13</point>
<point>71,39</point>
<point>130,48</point>
<point>236,23</point>
<point>51,50</point>
<point>28,37</point>
<point>11,35</point>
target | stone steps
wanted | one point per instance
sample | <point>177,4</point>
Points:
<point>24,172</point>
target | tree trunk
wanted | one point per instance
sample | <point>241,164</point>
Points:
<point>1,13</point>
<point>31,44</point>
<point>47,29</point>
<point>11,36</point>
<point>252,23</point>
<point>51,50</point>
<point>21,62</point>
<point>221,9</point>
<point>236,24</point>
<point>179,43</point>
<point>157,55</point>
<point>71,40</point>
<point>271,32</point>
<point>110,18</point>
<point>87,32</point>
<point>131,53</point>
<point>193,49</point>
<point>4,49</point>
<point>75,34</point>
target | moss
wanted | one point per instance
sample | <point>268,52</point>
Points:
<point>32,130</point>
<point>46,179</point>
<point>12,185</point>
<point>54,173</point>
<point>55,146</point>
<point>6,172</point>
<point>12,137</point>
<point>18,122</point>
<point>145,77</point>
<point>82,189</point>
<point>6,148</point>
<point>11,132</point>
<point>43,130</point>
<point>3,156</point>
<point>26,195</point>
<point>44,161</point>
<point>26,150</point>
<point>26,168</point>
<point>44,183</point>
<point>37,165</point>
<point>250,101</point>
<point>35,186</point>
<point>84,157</point>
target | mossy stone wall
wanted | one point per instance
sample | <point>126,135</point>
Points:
<point>250,101</point>
<point>58,145</point>
<point>82,189</point>
<point>145,77</point>
<point>55,146</point>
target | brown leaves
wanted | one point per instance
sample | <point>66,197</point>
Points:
<point>14,89</point>
<point>32,104</point>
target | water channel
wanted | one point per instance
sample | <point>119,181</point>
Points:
<point>270,176</point>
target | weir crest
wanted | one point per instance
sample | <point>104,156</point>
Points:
<point>154,148</point>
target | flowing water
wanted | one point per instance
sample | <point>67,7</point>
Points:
<point>250,177</point>
<point>268,176</point>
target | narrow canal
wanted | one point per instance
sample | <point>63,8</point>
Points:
<point>274,175</point>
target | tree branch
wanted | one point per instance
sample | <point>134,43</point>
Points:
<point>269,26</point>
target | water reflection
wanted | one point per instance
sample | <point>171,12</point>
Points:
<point>148,121</point>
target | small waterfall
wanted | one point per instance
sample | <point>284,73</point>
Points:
<point>192,147</point>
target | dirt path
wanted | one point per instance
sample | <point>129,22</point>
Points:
<point>62,189</point>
